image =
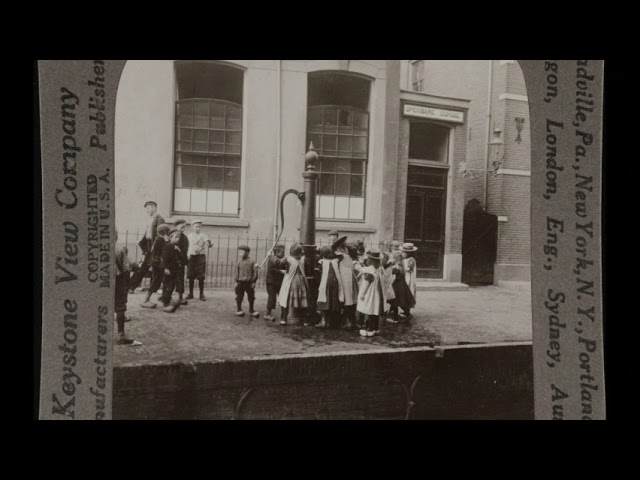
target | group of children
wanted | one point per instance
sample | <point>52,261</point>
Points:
<point>355,288</point>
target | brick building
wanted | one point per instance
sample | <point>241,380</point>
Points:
<point>222,140</point>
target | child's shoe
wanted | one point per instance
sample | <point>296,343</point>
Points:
<point>169,308</point>
<point>123,340</point>
<point>322,324</point>
<point>183,301</point>
<point>393,320</point>
<point>190,296</point>
<point>371,333</point>
<point>283,322</point>
<point>254,314</point>
<point>203,298</point>
<point>148,305</point>
<point>363,333</point>
<point>270,318</point>
<point>239,313</point>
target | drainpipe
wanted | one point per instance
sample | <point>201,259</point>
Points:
<point>278,151</point>
<point>486,167</point>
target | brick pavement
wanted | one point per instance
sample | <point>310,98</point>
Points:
<point>209,331</point>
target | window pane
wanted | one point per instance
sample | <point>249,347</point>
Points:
<point>231,203</point>
<point>357,166</point>
<point>231,179</point>
<point>341,207</point>
<point>343,166</point>
<point>198,179</point>
<point>357,185</point>
<point>200,147</point>
<point>342,185</point>
<point>216,161</point>
<point>233,149</point>
<point>232,162</point>
<point>214,201</point>
<point>185,146</point>
<point>216,147</point>
<point>185,120</point>
<point>183,176</point>
<point>185,109</point>
<point>201,114</point>
<point>182,199</point>
<point>330,120</point>
<point>326,206</point>
<point>197,160</point>
<point>327,165</point>
<point>216,136</point>
<point>344,146</point>
<point>330,145</point>
<point>201,136</point>
<point>314,122</point>
<point>215,178</point>
<point>360,147</point>
<point>217,116</point>
<point>345,121</point>
<point>327,182</point>
<point>360,123</point>
<point>234,138</point>
<point>198,200</point>
<point>185,134</point>
<point>356,208</point>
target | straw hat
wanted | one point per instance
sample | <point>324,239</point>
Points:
<point>338,242</point>
<point>409,247</point>
<point>374,253</point>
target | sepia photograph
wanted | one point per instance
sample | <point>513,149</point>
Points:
<point>323,239</point>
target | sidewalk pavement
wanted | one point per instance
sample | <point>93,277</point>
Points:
<point>210,331</point>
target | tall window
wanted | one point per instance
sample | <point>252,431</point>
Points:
<point>338,126</point>
<point>417,75</point>
<point>208,144</point>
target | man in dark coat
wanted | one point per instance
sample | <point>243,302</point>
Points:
<point>171,265</point>
<point>183,245</point>
<point>146,243</point>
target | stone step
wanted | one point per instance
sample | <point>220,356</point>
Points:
<point>440,286</point>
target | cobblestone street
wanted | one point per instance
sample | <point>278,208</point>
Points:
<point>209,331</point>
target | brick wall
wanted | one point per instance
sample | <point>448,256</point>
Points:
<point>468,382</point>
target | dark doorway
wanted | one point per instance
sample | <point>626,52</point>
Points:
<point>479,244</point>
<point>425,217</point>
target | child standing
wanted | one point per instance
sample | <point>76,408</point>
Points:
<point>123,270</point>
<point>410,266</point>
<point>275,274</point>
<point>347,272</point>
<point>331,291</point>
<point>157,273</point>
<point>246,276</point>
<point>183,245</point>
<point>197,263</point>
<point>294,292</point>
<point>372,295</point>
<point>403,297</point>
<point>171,265</point>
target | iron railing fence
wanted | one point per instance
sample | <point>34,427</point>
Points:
<point>222,256</point>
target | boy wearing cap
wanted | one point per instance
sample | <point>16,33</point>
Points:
<point>146,243</point>
<point>157,273</point>
<point>245,278</point>
<point>183,245</point>
<point>171,266</point>
<point>275,273</point>
<point>197,264</point>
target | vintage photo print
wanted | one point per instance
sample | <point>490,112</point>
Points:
<point>322,239</point>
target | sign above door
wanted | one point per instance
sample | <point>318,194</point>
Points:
<point>433,113</point>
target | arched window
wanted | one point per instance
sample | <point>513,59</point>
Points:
<point>338,126</point>
<point>208,143</point>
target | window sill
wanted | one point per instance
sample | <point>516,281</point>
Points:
<point>214,221</point>
<point>346,227</point>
